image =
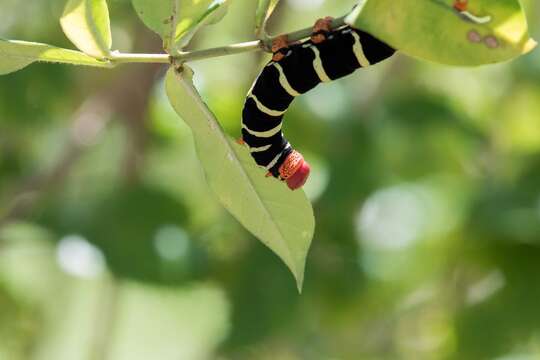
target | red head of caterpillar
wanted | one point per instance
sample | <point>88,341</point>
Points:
<point>295,170</point>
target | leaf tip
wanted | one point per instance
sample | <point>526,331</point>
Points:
<point>299,282</point>
<point>298,272</point>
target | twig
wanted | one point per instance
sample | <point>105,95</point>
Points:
<point>219,51</point>
<point>119,58</point>
<point>188,56</point>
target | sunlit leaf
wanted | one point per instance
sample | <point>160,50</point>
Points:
<point>157,15</point>
<point>15,55</point>
<point>280,218</point>
<point>265,9</point>
<point>213,15</point>
<point>493,31</point>
<point>176,21</point>
<point>86,23</point>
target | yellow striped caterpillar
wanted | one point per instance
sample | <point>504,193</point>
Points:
<point>294,70</point>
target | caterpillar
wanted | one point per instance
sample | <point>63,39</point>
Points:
<point>294,70</point>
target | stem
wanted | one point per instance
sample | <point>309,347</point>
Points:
<point>188,56</point>
<point>119,58</point>
<point>219,51</point>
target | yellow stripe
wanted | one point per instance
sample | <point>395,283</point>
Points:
<point>318,66</point>
<point>266,110</point>
<point>253,86</point>
<point>285,82</point>
<point>275,160</point>
<point>259,149</point>
<point>263,134</point>
<point>359,51</point>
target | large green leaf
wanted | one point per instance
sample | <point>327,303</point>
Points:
<point>86,23</point>
<point>15,55</point>
<point>434,31</point>
<point>280,218</point>
<point>177,20</point>
<point>265,8</point>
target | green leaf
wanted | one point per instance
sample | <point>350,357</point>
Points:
<point>15,55</point>
<point>265,9</point>
<point>433,30</point>
<point>213,15</point>
<point>86,23</point>
<point>157,15</point>
<point>281,219</point>
<point>177,20</point>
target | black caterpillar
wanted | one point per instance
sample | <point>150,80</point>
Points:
<point>300,68</point>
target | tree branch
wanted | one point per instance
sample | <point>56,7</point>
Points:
<point>188,56</point>
<point>119,58</point>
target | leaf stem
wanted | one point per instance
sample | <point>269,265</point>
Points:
<point>120,58</point>
<point>188,56</point>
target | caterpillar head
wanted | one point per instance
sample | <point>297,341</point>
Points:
<point>295,170</point>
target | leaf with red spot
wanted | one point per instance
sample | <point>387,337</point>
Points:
<point>490,32</point>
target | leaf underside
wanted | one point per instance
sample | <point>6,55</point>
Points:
<point>281,219</point>
<point>432,30</point>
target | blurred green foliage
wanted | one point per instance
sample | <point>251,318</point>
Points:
<point>425,190</point>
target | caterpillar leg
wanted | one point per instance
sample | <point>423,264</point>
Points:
<point>279,47</point>
<point>321,29</point>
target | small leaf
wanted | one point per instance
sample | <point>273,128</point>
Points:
<point>491,32</point>
<point>156,15</point>
<point>176,21</point>
<point>264,11</point>
<point>86,23</point>
<point>214,14</point>
<point>15,55</point>
<point>281,219</point>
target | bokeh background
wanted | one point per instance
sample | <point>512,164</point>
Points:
<point>425,187</point>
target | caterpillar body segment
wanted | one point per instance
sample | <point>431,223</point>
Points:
<point>293,71</point>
